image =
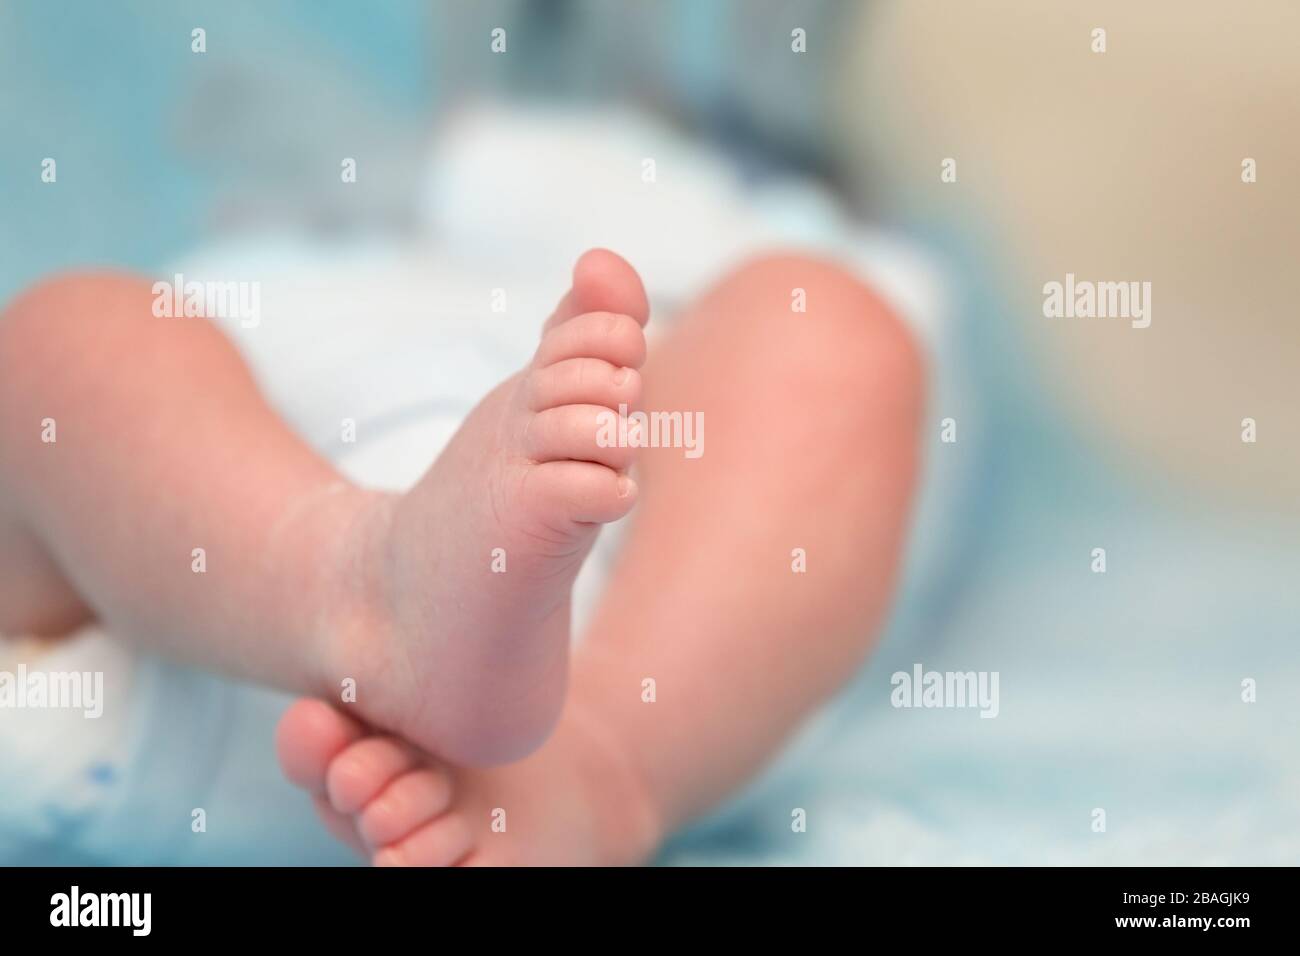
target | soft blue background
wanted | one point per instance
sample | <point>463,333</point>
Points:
<point>139,125</point>
<point>158,147</point>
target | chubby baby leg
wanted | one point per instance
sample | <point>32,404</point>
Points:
<point>144,480</point>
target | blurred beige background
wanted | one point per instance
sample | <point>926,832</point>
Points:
<point>1123,165</point>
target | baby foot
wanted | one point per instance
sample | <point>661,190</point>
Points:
<point>573,802</point>
<point>459,638</point>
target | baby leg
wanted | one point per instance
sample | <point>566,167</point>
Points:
<point>143,476</point>
<point>755,577</point>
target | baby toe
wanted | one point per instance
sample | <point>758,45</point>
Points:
<point>578,491</point>
<point>441,842</point>
<point>617,339</point>
<point>407,803</point>
<point>581,433</point>
<point>584,381</point>
<point>603,281</point>
<point>309,736</point>
<point>360,772</point>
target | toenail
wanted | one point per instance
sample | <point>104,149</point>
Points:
<point>625,486</point>
<point>620,376</point>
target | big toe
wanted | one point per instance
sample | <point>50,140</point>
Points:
<point>603,281</point>
<point>309,736</point>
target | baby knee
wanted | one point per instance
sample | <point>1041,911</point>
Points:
<point>47,316</point>
<point>822,315</point>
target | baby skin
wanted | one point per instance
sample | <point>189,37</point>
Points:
<point>749,587</point>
